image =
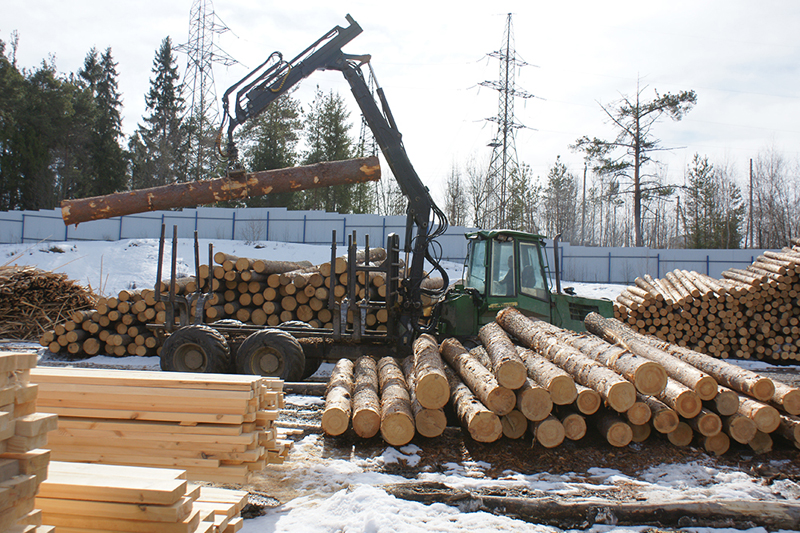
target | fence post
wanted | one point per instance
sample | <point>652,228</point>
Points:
<point>708,265</point>
<point>383,233</point>
<point>266,237</point>
<point>66,232</point>
<point>304,229</point>
<point>609,267</point>
<point>658,266</point>
<point>22,233</point>
<point>233,227</point>
<point>344,229</point>
<point>196,218</point>
<point>120,227</point>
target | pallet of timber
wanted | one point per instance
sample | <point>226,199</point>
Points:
<point>90,497</point>
<point>216,427</point>
<point>23,432</point>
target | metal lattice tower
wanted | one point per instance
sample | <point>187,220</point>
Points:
<point>504,162</point>
<point>203,111</point>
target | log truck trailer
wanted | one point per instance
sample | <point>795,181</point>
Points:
<point>503,267</point>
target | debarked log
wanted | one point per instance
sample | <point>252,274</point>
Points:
<point>195,193</point>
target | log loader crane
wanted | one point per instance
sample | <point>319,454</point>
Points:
<point>503,267</point>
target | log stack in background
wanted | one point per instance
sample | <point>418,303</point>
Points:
<point>616,383</point>
<point>24,460</point>
<point>216,427</point>
<point>749,313</point>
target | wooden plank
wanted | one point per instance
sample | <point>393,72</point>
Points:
<point>234,525</point>
<point>91,487</point>
<point>24,393</point>
<point>17,443</point>
<point>176,512</point>
<point>34,518</point>
<point>94,523</point>
<point>148,427</point>
<point>150,416</point>
<point>174,380</point>
<point>244,438</point>
<point>36,424</point>
<point>148,403</point>
<point>9,517</point>
<point>8,469</point>
<point>131,388</point>
<point>34,462</point>
<point>56,439</point>
<point>115,471</point>
<point>93,449</point>
<point>219,509</point>
<point>237,498</point>
<point>16,489</point>
<point>99,456</point>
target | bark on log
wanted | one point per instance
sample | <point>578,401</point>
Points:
<point>507,366</point>
<point>429,422</point>
<point>786,397</point>
<point>478,378</point>
<point>482,424</point>
<point>397,420</point>
<point>765,416</point>
<point>533,401</point>
<point>739,428</point>
<point>662,417</point>
<point>366,403</point>
<point>338,405</point>
<point>431,388</point>
<point>613,331</point>
<point>548,432</point>
<point>789,428</point>
<point>196,193</point>
<point>648,376</point>
<point>615,430</point>
<point>619,393</point>
<point>731,376</point>
<point>515,424</point>
<point>556,381</point>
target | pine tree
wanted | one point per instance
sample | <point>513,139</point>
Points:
<point>714,209</point>
<point>561,202</point>
<point>162,140</point>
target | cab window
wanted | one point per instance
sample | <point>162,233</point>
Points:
<point>503,269</point>
<point>531,279</point>
<point>476,267</point>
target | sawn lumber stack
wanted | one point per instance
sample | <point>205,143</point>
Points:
<point>530,377</point>
<point>23,436</point>
<point>215,427</point>
<point>749,313</point>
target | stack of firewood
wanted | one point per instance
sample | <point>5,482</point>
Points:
<point>532,377</point>
<point>749,313</point>
<point>33,301</point>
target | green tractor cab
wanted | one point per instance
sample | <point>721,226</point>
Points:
<point>506,268</point>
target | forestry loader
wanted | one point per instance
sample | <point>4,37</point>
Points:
<point>503,267</point>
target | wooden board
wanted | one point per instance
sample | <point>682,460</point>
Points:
<point>176,512</point>
<point>92,487</point>
<point>150,416</point>
<point>94,523</point>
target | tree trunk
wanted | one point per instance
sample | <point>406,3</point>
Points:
<point>195,193</point>
<point>431,388</point>
<point>366,404</point>
<point>786,397</point>
<point>515,424</point>
<point>533,401</point>
<point>766,417</point>
<point>397,420</point>
<point>507,366</point>
<point>614,331</point>
<point>336,415</point>
<point>548,432</point>
<point>558,383</point>
<point>429,422</point>
<point>789,428</point>
<point>478,378</point>
<point>481,423</point>
<point>619,393</point>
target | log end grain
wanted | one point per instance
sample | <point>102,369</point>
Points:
<point>790,401</point>
<point>432,391</point>
<point>688,404</point>
<point>767,419</point>
<point>501,400</point>
<point>708,424</point>
<point>726,402</point>
<point>515,424</point>
<point>562,390</point>
<point>761,443</point>
<point>430,422</point>
<point>574,426</point>
<point>716,444</point>
<point>706,388</point>
<point>397,428</point>
<point>763,389</point>
<point>682,436</point>
<point>485,426</point>
<point>640,433</point>
<point>534,403</point>
<point>366,423</point>
<point>511,374</point>
<point>335,420</point>
<point>650,378</point>
<point>588,401</point>
<point>639,414</point>
<point>740,428</point>
<point>622,396</point>
<point>548,432</point>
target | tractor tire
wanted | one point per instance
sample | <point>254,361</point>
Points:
<point>271,352</point>
<point>195,348</point>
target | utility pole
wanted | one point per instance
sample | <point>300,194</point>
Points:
<point>504,162</point>
<point>750,214</point>
<point>202,113</point>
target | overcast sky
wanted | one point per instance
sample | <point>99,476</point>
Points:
<point>741,57</point>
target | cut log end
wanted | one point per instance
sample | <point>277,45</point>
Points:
<point>574,426</point>
<point>588,401</point>
<point>665,421</point>
<point>511,374</point>
<point>515,424</point>
<point>562,390</point>
<point>790,401</point>
<point>485,426</point>
<point>682,436</point>
<point>716,444</point>
<point>397,428</point>
<point>740,428</point>
<point>639,414</point>
<point>621,396</point>
<point>706,388</point>
<point>640,433</point>
<point>432,391</point>
<point>650,378</point>
<point>726,402</point>
<point>501,400</point>
<point>335,421</point>
<point>767,419</point>
<point>548,432</point>
<point>688,404</point>
<point>430,422</point>
<point>534,403</point>
<point>366,423</point>
<point>708,424</point>
<point>763,389</point>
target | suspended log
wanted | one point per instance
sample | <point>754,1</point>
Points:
<point>397,420</point>
<point>739,428</point>
<point>556,381</point>
<point>366,403</point>
<point>482,424</point>
<point>619,393</point>
<point>478,378</point>
<point>429,422</point>
<point>515,424</point>
<point>190,194</point>
<point>431,388</point>
<point>338,404</point>
<point>548,432</point>
<point>614,331</point>
<point>507,366</point>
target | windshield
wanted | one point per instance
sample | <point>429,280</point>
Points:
<point>531,277</point>
<point>503,269</point>
<point>476,267</point>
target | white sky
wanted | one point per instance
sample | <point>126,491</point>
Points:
<point>740,57</point>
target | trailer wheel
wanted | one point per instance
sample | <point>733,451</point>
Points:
<point>195,348</point>
<point>271,352</point>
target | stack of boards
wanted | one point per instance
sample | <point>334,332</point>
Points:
<point>81,497</point>
<point>23,432</point>
<point>216,427</point>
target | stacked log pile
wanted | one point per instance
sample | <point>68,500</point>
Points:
<point>89,497</point>
<point>749,313</point>
<point>33,301</point>
<point>23,434</point>
<point>530,377</point>
<point>215,427</point>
